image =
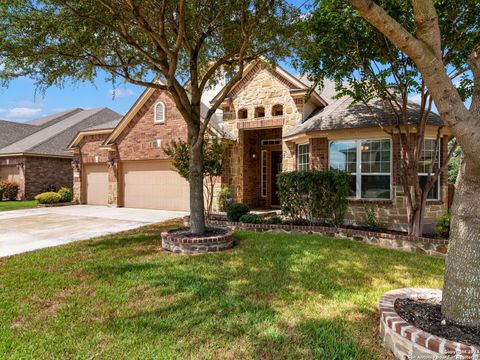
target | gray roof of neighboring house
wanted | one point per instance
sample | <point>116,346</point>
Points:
<point>51,119</point>
<point>109,125</point>
<point>343,113</point>
<point>13,131</point>
<point>53,134</point>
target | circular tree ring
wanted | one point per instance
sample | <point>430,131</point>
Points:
<point>181,241</point>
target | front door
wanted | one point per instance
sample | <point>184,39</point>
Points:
<point>275,168</point>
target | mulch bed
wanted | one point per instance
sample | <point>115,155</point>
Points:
<point>426,314</point>
<point>209,232</point>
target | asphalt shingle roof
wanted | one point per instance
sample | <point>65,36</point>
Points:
<point>343,113</point>
<point>53,134</point>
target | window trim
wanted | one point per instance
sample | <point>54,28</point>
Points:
<point>439,197</point>
<point>155,113</point>
<point>308,154</point>
<point>263,174</point>
<point>358,168</point>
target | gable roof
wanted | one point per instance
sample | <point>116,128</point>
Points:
<point>12,131</point>
<point>344,113</point>
<point>53,133</point>
<point>296,84</point>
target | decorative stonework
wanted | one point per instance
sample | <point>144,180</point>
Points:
<point>421,245</point>
<point>409,342</point>
<point>181,244</point>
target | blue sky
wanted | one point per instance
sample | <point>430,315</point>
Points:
<point>19,102</point>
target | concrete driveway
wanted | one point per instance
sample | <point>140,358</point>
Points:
<point>31,229</point>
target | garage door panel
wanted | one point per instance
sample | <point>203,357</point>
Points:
<point>154,185</point>
<point>96,184</point>
<point>10,173</point>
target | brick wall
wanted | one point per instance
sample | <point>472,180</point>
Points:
<point>43,172</point>
<point>139,141</point>
<point>318,154</point>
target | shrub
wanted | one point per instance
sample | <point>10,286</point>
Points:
<point>314,195</point>
<point>10,189</point>
<point>443,225</point>
<point>66,195</point>
<point>372,220</point>
<point>48,198</point>
<point>224,195</point>
<point>275,220</point>
<point>250,219</point>
<point>235,211</point>
<point>1,191</point>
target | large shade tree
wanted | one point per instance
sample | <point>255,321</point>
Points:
<point>423,44</point>
<point>155,43</point>
<point>366,67</point>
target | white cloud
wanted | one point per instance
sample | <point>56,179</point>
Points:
<point>20,113</point>
<point>119,93</point>
<point>417,98</point>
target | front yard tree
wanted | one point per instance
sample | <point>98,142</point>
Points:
<point>366,67</point>
<point>154,43</point>
<point>423,44</point>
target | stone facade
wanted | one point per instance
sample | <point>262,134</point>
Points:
<point>36,174</point>
<point>420,245</point>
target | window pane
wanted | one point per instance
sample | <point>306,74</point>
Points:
<point>433,193</point>
<point>375,156</point>
<point>375,186</point>
<point>427,156</point>
<point>343,155</point>
<point>302,157</point>
<point>352,192</point>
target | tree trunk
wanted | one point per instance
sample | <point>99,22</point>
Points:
<point>197,207</point>
<point>461,292</point>
<point>416,219</point>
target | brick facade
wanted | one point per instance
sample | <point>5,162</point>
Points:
<point>37,174</point>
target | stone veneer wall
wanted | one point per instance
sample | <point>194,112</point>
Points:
<point>392,213</point>
<point>261,87</point>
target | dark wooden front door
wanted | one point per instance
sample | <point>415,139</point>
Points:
<point>275,168</point>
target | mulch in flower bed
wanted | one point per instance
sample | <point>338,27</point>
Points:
<point>209,232</point>
<point>426,314</point>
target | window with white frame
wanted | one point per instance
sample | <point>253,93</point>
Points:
<point>426,160</point>
<point>302,157</point>
<point>160,112</point>
<point>368,162</point>
<point>264,173</point>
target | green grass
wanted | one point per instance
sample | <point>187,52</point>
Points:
<point>17,205</point>
<point>274,296</point>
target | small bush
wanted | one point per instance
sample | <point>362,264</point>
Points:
<point>314,195</point>
<point>66,194</point>
<point>48,198</point>
<point>10,189</point>
<point>235,211</point>
<point>443,225</point>
<point>1,192</point>
<point>250,219</point>
<point>372,220</point>
<point>275,220</point>
<point>223,197</point>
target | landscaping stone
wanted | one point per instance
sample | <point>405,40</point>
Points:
<point>182,242</point>
<point>409,342</point>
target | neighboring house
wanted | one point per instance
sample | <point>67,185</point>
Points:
<point>275,124</point>
<point>33,153</point>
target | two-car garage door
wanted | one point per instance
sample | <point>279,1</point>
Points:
<point>154,185</point>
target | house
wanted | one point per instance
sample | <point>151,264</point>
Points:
<point>275,124</point>
<point>33,153</point>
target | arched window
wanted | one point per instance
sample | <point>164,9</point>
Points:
<point>277,110</point>
<point>159,112</point>
<point>243,114</point>
<point>259,112</point>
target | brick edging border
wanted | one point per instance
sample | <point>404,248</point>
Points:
<point>329,231</point>
<point>395,331</point>
<point>196,245</point>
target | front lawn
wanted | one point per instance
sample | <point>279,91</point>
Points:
<point>274,296</point>
<point>17,205</point>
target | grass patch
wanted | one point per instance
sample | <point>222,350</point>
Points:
<point>274,296</point>
<point>17,205</point>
